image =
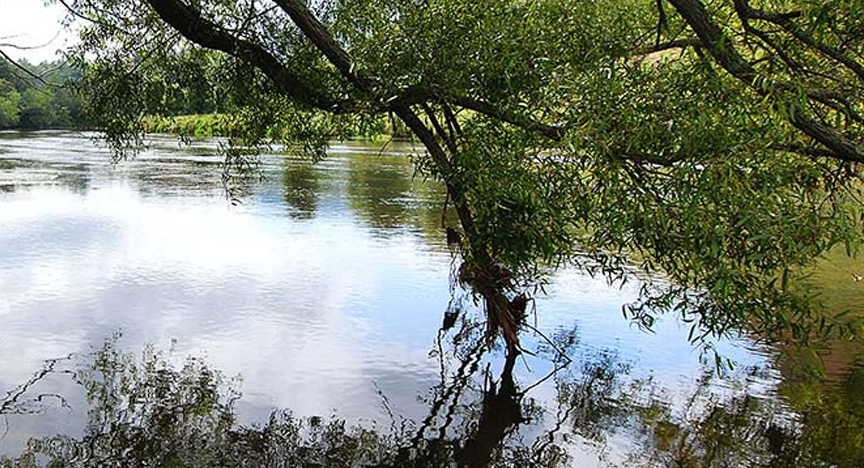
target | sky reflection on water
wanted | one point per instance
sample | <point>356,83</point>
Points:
<point>324,288</point>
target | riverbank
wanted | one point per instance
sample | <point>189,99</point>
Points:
<point>222,125</point>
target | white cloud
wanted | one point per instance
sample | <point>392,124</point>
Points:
<point>30,23</point>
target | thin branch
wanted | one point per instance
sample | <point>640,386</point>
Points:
<point>668,45</point>
<point>451,145</point>
<point>20,47</point>
<point>550,131</point>
<point>804,150</point>
<point>78,15</point>
<point>784,21</point>
<point>24,69</point>
<point>192,25</point>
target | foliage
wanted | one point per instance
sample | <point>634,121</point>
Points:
<point>716,145</point>
<point>9,101</point>
<point>48,102</point>
<point>224,125</point>
<point>207,125</point>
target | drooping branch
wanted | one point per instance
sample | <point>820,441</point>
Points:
<point>194,27</point>
<point>77,14</point>
<point>24,69</point>
<point>417,95</point>
<point>722,49</point>
<point>668,45</point>
<point>320,36</point>
<point>500,317</point>
<point>12,45</point>
<point>318,33</point>
<point>446,137</point>
<point>513,118</point>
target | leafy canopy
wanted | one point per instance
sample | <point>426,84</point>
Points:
<point>716,145</point>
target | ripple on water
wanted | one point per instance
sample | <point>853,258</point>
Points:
<point>324,290</point>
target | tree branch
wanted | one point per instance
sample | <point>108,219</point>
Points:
<point>192,25</point>
<point>668,45</point>
<point>320,36</point>
<point>514,118</point>
<point>24,69</point>
<point>723,50</point>
<point>785,22</point>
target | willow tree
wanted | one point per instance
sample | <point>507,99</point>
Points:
<point>713,146</point>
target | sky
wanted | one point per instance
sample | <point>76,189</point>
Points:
<point>30,23</point>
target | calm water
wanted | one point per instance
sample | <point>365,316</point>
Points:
<point>324,291</point>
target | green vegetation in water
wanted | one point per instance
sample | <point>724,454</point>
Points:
<point>149,411</point>
<point>208,125</point>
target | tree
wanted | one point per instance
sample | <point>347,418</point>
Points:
<point>9,99</point>
<point>38,96</point>
<point>717,146</point>
<point>35,109</point>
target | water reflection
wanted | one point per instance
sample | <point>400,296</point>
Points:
<point>302,184</point>
<point>380,191</point>
<point>159,411</point>
<point>150,412</point>
<point>384,192</point>
<point>323,289</point>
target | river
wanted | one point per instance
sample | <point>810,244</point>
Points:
<point>323,288</point>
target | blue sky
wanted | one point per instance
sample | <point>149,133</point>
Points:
<point>30,23</point>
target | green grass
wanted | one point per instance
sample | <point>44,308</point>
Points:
<point>221,125</point>
<point>203,125</point>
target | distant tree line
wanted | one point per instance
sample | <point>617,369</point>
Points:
<point>48,96</point>
<point>30,103</point>
<point>194,92</point>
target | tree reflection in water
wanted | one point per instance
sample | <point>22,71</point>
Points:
<point>302,182</point>
<point>148,412</point>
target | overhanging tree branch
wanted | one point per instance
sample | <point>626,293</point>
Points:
<point>723,51</point>
<point>499,315</point>
<point>668,45</point>
<point>320,36</point>
<point>513,118</point>
<point>785,21</point>
<point>192,25</point>
<point>24,69</point>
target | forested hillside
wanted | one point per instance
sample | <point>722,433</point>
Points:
<point>30,103</point>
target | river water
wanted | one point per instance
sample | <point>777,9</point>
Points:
<point>324,290</point>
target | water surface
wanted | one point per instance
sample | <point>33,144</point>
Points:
<point>324,290</point>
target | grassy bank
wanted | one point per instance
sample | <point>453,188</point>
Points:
<point>205,125</point>
<point>223,125</point>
